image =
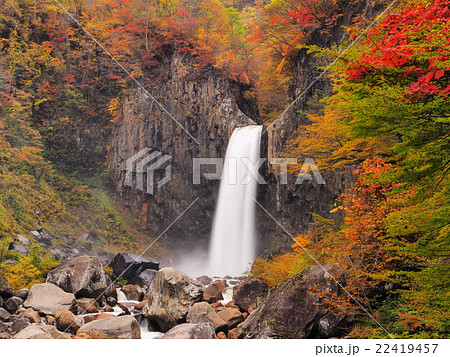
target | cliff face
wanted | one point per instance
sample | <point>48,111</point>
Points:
<point>207,107</point>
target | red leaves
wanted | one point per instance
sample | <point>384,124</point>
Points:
<point>410,45</point>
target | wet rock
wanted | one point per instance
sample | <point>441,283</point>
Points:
<point>232,317</point>
<point>4,315</point>
<point>31,315</point>
<point>111,301</point>
<point>294,311</point>
<point>48,298</point>
<point>83,276</point>
<point>122,327</point>
<point>201,312</point>
<point>5,289</point>
<point>144,278</point>
<point>133,292</point>
<point>19,248</point>
<point>22,293</point>
<point>247,293</point>
<point>67,321</point>
<point>131,265</point>
<point>170,296</point>
<point>191,331</point>
<point>204,279</point>
<point>212,293</point>
<point>13,304</point>
<point>34,331</point>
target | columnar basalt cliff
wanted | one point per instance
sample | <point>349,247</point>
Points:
<point>207,107</point>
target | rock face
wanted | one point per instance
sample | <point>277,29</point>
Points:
<point>83,276</point>
<point>49,298</point>
<point>248,292</point>
<point>129,266</point>
<point>201,312</point>
<point>170,296</point>
<point>122,327</point>
<point>191,331</point>
<point>293,310</point>
<point>209,106</point>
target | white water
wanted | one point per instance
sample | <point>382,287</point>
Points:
<point>233,236</point>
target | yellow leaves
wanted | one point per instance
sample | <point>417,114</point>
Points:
<point>114,106</point>
<point>23,274</point>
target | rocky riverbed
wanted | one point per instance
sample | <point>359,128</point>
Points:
<point>80,301</point>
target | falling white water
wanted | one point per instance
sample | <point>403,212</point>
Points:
<point>233,235</point>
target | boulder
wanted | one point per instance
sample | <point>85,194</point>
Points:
<point>131,265</point>
<point>212,293</point>
<point>231,316</point>
<point>133,292</point>
<point>22,293</point>
<point>87,305</point>
<point>31,315</point>
<point>55,333</point>
<point>34,331</point>
<point>123,327</point>
<point>293,310</point>
<point>247,293</point>
<point>111,301</point>
<point>5,289</point>
<point>3,327</point>
<point>232,334</point>
<point>4,315</point>
<point>18,323</point>
<point>201,312</point>
<point>221,284</point>
<point>221,336</point>
<point>13,304</point>
<point>170,296</point>
<point>19,248</point>
<point>67,321</point>
<point>24,240</point>
<point>144,278</point>
<point>204,279</point>
<point>48,298</point>
<point>83,276</point>
<point>191,332</point>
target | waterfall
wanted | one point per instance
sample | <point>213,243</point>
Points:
<point>233,235</point>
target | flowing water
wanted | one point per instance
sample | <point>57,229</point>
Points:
<point>233,236</point>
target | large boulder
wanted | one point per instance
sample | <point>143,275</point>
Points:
<point>170,296</point>
<point>191,332</point>
<point>133,292</point>
<point>83,276</point>
<point>19,248</point>
<point>212,293</point>
<point>4,315</point>
<point>5,288</point>
<point>293,310</point>
<point>48,299</point>
<point>13,304</point>
<point>201,312</point>
<point>247,294</point>
<point>123,327</point>
<point>129,265</point>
